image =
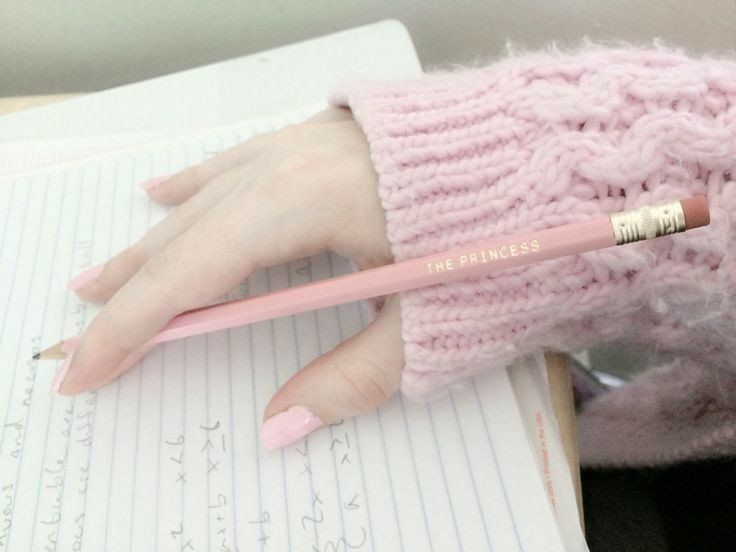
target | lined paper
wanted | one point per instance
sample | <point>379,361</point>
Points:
<point>21,157</point>
<point>168,457</point>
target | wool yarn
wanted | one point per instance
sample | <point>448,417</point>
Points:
<point>548,138</point>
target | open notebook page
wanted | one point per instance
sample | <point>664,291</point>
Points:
<point>20,157</point>
<point>168,456</point>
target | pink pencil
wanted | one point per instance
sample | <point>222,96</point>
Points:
<point>470,261</point>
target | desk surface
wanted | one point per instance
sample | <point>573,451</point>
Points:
<point>19,103</point>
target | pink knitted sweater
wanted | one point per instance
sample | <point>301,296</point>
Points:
<point>550,138</point>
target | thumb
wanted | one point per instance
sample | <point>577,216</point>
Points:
<point>357,376</point>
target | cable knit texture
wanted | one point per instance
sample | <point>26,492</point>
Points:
<point>549,138</point>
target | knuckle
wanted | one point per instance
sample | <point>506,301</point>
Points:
<point>126,262</point>
<point>291,180</point>
<point>266,202</point>
<point>178,221</point>
<point>153,273</point>
<point>134,255</point>
<point>362,385</point>
<point>190,178</point>
<point>297,164</point>
<point>299,151</point>
<point>105,337</point>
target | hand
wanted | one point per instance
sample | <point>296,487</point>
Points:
<point>275,198</point>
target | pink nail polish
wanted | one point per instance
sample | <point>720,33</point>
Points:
<point>61,373</point>
<point>85,278</point>
<point>149,185</point>
<point>289,426</point>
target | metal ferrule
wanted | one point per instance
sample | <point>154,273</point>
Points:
<point>648,222</point>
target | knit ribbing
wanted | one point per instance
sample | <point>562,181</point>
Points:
<point>547,139</point>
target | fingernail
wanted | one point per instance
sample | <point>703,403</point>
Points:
<point>60,375</point>
<point>149,185</point>
<point>85,278</point>
<point>289,426</point>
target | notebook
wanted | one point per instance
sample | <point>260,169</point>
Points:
<point>168,458</point>
<point>253,86</point>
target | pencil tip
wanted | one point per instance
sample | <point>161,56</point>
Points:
<point>55,352</point>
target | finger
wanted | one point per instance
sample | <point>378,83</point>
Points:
<point>357,376</point>
<point>203,263</point>
<point>99,283</point>
<point>127,363</point>
<point>174,189</point>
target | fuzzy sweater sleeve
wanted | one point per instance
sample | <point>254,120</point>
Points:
<point>547,139</point>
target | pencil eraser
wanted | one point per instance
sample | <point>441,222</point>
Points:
<point>696,212</point>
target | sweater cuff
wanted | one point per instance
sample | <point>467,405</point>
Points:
<point>530,143</point>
